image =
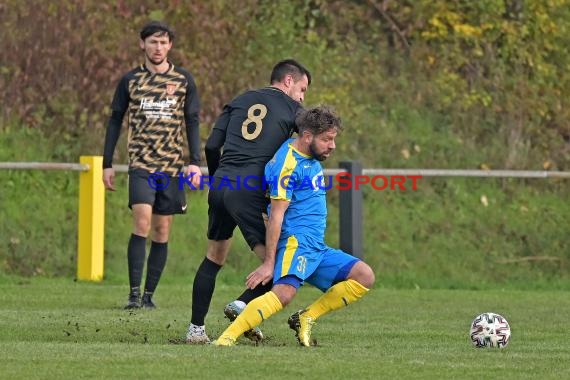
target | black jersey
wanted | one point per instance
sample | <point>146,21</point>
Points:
<point>251,128</point>
<point>158,105</point>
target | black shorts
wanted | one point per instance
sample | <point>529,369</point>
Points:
<point>228,208</point>
<point>161,192</point>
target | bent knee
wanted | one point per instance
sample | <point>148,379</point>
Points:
<point>285,293</point>
<point>363,274</point>
<point>218,250</point>
<point>285,297</point>
<point>285,301</point>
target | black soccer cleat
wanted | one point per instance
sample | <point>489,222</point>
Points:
<point>134,300</point>
<point>146,301</point>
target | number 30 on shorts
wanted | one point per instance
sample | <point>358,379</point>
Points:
<point>253,118</point>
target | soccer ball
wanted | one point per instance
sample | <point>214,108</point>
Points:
<point>490,330</point>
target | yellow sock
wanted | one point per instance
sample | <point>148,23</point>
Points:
<point>254,313</point>
<point>337,296</point>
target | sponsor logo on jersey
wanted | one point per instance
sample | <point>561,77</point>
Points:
<point>161,104</point>
<point>171,88</point>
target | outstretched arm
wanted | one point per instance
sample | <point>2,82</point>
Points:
<point>264,273</point>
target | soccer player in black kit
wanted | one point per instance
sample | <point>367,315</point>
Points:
<point>250,129</point>
<point>159,99</point>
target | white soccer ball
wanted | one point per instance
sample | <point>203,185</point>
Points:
<point>490,330</point>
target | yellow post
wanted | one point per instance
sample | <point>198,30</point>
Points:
<point>90,233</point>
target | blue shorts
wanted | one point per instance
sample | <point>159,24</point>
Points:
<point>308,259</point>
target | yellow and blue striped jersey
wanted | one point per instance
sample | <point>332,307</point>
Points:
<point>298,178</point>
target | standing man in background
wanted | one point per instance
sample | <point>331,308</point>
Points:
<point>161,100</point>
<point>250,129</point>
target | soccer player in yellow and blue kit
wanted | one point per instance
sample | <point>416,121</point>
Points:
<point>295,247</point>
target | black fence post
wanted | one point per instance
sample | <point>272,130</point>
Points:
<point>350,210</point>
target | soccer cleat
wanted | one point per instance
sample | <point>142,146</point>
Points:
<point>302,325</point>
<point>146,301</point>
<point>231,311</point>
<point>134,300</point>
<point>224,341</point>
<point>197,335</point>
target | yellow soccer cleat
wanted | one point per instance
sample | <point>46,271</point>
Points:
<point>231,311</point>
<point>302,324</point>
<point>224,341</point>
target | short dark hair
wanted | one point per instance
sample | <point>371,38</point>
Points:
<point>289,67</point>
<point>317,120</point>
<point>156,27</point>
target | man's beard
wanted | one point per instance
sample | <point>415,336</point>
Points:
<point>316,156</point>
<point>154,62</point>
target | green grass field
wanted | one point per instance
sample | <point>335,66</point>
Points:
<point>60,329</point>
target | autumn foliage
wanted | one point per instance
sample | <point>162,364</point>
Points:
<point>494,74</point>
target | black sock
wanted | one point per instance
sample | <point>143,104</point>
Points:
<point>203,289</point>
<point>135,257</point>
<point>155,265</point>
<point>250,294</point>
